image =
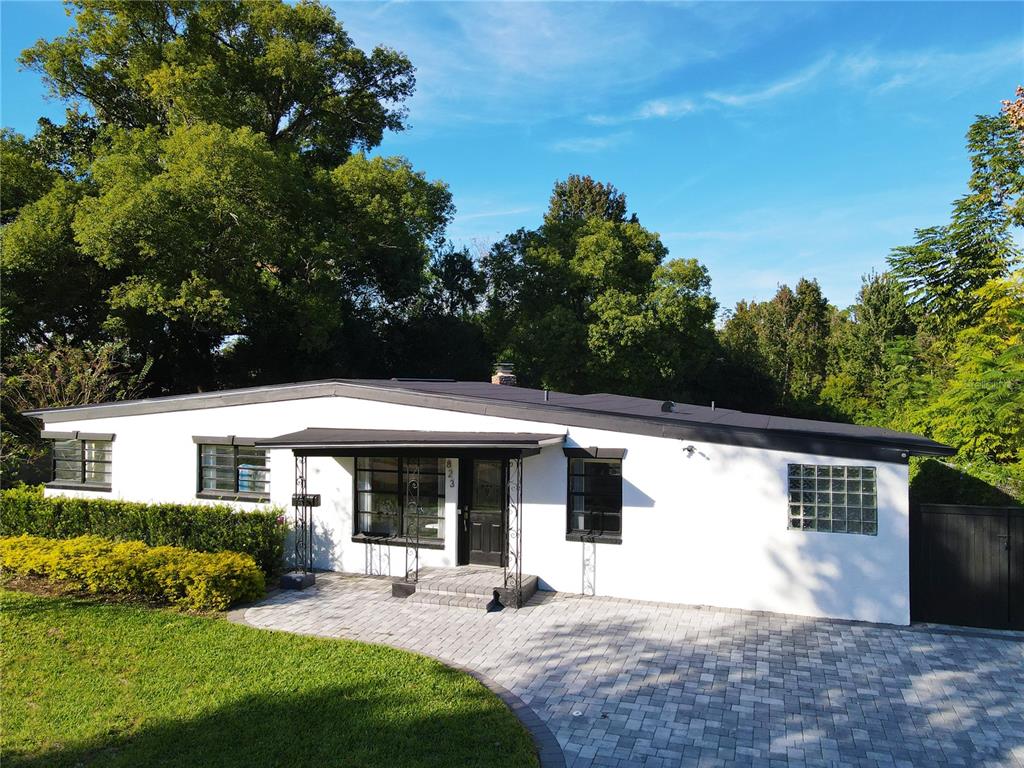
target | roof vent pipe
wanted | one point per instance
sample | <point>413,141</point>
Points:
<point>547,395</point>
<point>712,405</point>
<point>668,406</point>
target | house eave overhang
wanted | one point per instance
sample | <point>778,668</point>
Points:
<point>353,442</point>
<point>896,449</point>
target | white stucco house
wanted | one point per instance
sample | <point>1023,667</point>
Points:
<point>597,494</point>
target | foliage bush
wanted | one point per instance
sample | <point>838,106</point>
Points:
<point>197,581</point>
<point>204,528</point>
<point>986,484</point>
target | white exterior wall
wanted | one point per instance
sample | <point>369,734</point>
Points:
<point>704,528</point>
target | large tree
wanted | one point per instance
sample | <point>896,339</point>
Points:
<point>588,301</point>
<point>289,72</point>
<point>207,201</point>
<point>785,340</point>
<point>947,265</point>
<point>876,351</point>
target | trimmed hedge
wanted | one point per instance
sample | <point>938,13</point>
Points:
<point>204,528</point>
<point>198,581</point>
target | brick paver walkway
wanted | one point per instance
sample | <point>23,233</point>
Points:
<point>625,683</point>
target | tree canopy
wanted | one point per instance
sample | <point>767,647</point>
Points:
<point>589,302</point>
<point>209,195</point>
<point>288,72</point>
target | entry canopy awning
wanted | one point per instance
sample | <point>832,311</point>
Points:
<point>319,441</point>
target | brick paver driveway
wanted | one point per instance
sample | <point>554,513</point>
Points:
<point>625,684</point>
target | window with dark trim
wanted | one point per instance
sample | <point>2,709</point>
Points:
<point>85,463</point>
<point>833,499</point>
<point>234,470</point>
<point>595,498</point>
<point>400,497</point>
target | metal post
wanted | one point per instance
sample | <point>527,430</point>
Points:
<point>589,586</point>
<point>303,519</point>
<point>514,543</point>
<point>413,511</point>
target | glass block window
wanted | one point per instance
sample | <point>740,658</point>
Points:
<point>595,497</point>
<point>82,462</point>
<point>400,497</point>
<point>242,470</point>
<point>833,499</point>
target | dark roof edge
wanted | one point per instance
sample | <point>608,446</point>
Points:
<point>193,401</point>
<point>867,447</point>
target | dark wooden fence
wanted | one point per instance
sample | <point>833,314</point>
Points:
<point>967,565</point>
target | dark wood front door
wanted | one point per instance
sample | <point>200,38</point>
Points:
<point>482,511</point>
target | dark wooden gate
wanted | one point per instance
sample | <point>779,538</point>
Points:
<point>967,565</point>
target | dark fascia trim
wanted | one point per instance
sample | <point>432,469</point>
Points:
<point>595,453</point>
<point>223,440</point>
<point>101,436</point>
<point>51,435</point>
<point>396,541</point>
<point>228,496</point>
<point>196,401</point>
<point>879,449</point>
<point>650,426</point>
<point>593,538</point>
<point>341,451</point>
<point>65,486</point>
<point>48,434</point>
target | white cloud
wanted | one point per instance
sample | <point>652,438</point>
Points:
<point>653,109</point>
<point>495,214</point>
<point>532,62</point>
<point>784,87</point>
<point>743,96</point>
<point>584,144</point>
<point>869,70</point>
<point>952,71</point>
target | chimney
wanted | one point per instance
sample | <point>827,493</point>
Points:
<point>503,374</point>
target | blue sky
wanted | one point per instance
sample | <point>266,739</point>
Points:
<point>769,141</point>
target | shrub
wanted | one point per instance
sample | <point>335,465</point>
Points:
<point>197,581</point>
<point>937,482</point>
<point>204,528</point>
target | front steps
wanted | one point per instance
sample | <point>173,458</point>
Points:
<point>469,586</point>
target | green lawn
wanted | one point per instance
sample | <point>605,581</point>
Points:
<point>121,685</point>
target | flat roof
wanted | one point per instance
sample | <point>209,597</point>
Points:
<point>598,410</point>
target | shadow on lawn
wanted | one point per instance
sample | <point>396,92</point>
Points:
<point>331,726</point>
